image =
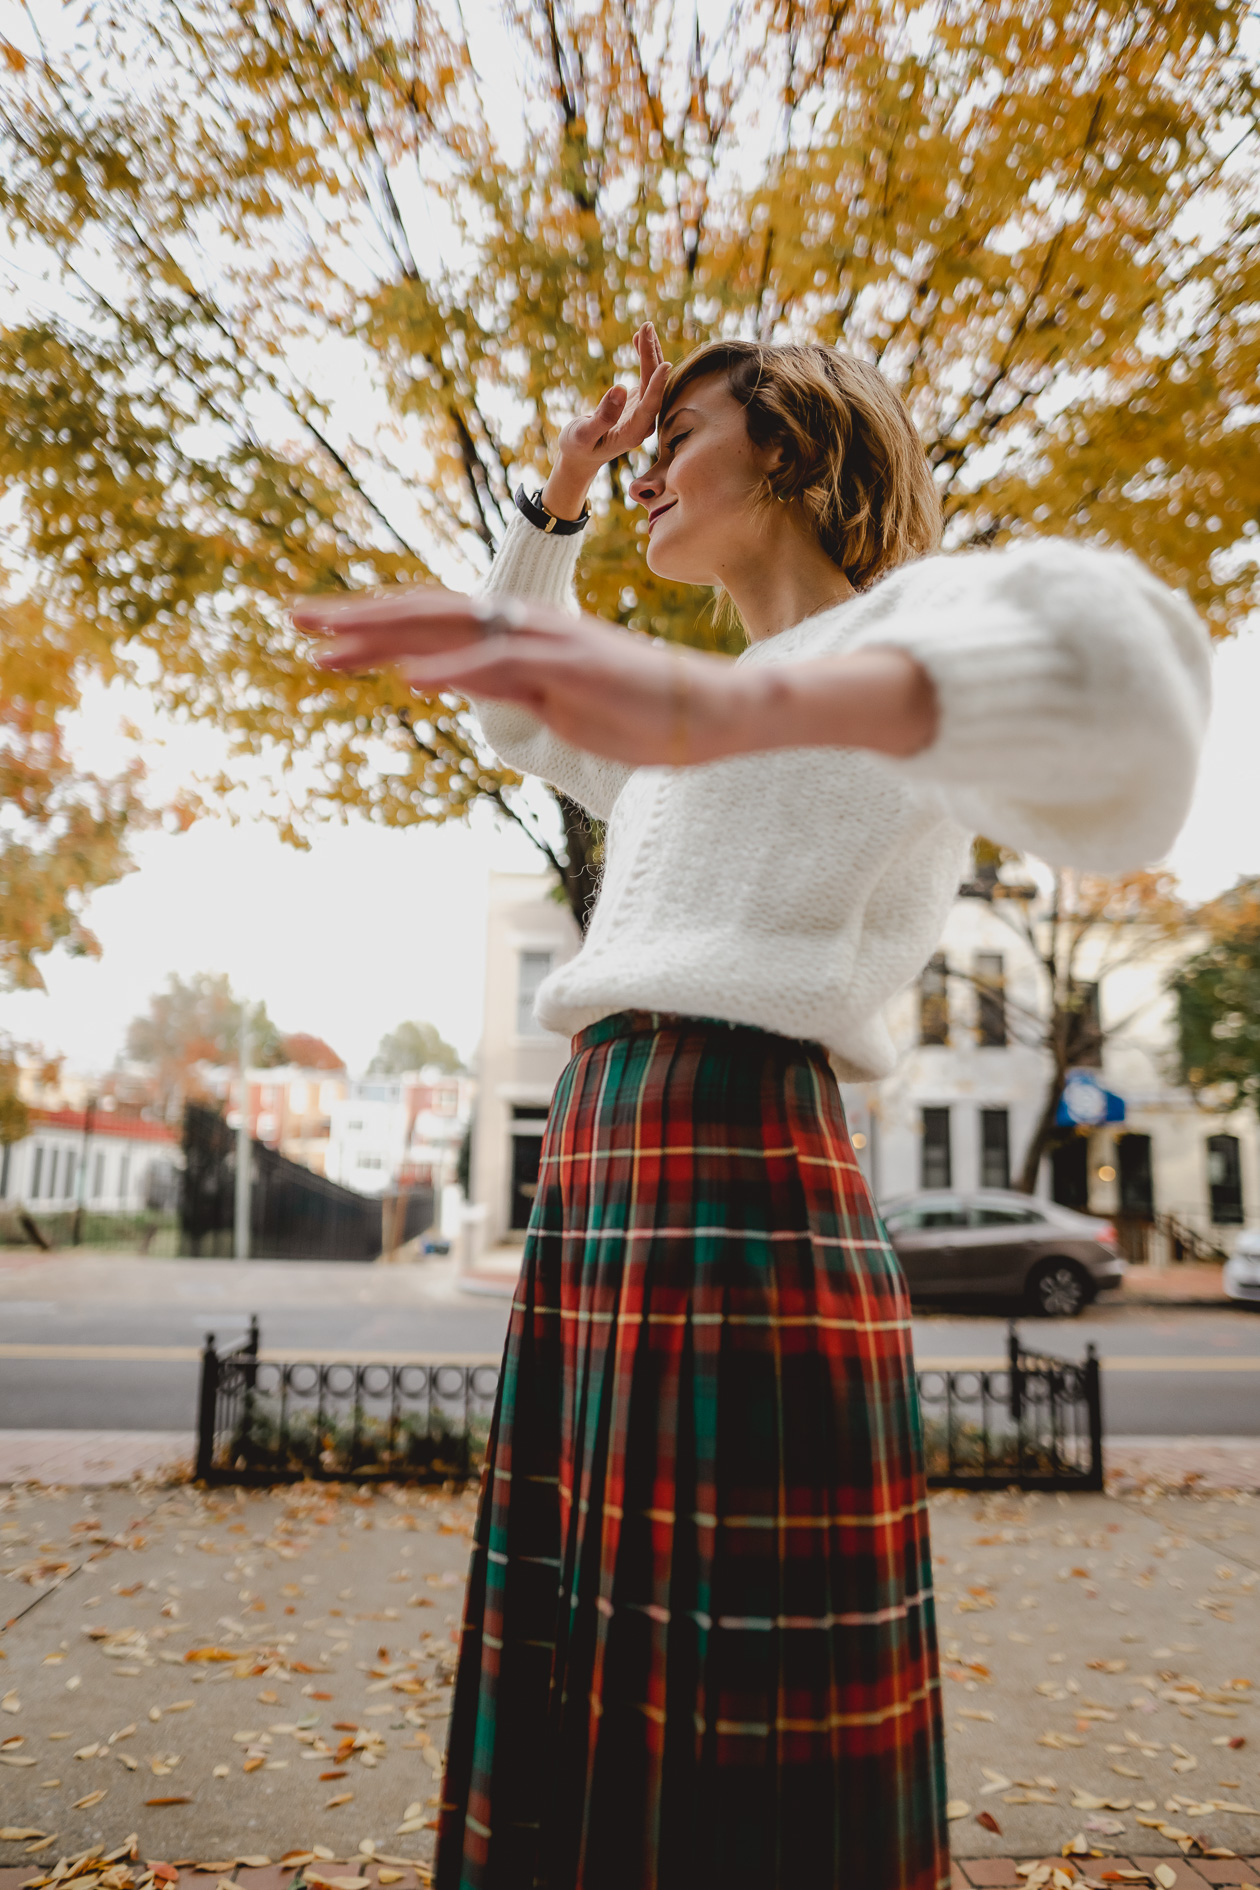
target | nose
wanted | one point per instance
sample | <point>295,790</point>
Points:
<point>648,487</point>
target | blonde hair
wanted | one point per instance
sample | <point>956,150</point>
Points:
<point>849,452</point>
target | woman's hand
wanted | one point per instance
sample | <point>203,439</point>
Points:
<point>603,689</point>
<point>622,421</point>
<point>610,692</point>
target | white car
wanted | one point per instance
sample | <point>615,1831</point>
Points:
<point>1242,1269</point>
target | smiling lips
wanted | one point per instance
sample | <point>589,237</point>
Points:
<point>659,512</point>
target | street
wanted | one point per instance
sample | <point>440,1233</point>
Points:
<point>113,1345</point>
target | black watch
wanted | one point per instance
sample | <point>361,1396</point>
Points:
<point>537,514</point>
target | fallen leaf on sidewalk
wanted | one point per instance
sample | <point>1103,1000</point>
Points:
<point>957,1808</point>
<point>16,1833</point>
<point>339,1798</point>
<point>990,1823</point>
<point>210,1653</point>
<point>178,1798</point>
<point>93,1798</point>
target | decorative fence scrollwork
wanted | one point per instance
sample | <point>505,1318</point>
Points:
<point>1035,1423</point>
<point>271,1421</point>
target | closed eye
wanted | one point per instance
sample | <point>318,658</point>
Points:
<point>672,445</point>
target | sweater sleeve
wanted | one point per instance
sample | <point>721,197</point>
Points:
<point>1073,691</point>
<point>531,564</point>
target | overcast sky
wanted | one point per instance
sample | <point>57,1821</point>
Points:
<point>371,927</point>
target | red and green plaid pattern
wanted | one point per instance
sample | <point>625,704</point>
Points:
<point>699,1645</point>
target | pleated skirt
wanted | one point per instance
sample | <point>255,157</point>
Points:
<point>699,1645</point>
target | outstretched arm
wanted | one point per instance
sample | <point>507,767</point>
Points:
<point>1056,696</point>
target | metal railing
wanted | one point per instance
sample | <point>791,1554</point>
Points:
<point>269,1421</point>
<point>1035,1423</point>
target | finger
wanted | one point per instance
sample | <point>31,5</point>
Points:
<point>376,649</point>
<point>593,428</point>
<point>401,604</point>
<point>639,424</point>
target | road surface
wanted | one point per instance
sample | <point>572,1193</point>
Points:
<point>94,1345</point>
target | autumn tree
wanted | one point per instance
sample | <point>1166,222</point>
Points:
<point>63,833</point>
<point>309,1053</point>
<point>1218,1002</point>
<point>412,1047</point>
<point>328,282</point>
<point>196,1021</point>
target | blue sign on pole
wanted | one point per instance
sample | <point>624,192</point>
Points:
<point>1086,1104</point>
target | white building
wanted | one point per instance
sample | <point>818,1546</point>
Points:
<point>403,1131</point>
<point>970,1086</point>
<point>964,1100</point>
<point>111,1161</point>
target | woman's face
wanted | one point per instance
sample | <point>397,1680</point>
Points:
<point>700,492</point>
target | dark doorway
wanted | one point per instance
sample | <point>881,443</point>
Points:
<point>1225,1180</point>
<point>1069,1172</point>
<point>526,1155</point>
<point>1137,1185</point>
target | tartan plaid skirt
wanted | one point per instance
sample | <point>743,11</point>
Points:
<point>699,1645</point>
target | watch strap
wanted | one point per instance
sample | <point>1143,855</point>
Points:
<point>536,512</point>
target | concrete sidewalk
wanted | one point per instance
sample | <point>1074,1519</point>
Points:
<point>170,1652</point>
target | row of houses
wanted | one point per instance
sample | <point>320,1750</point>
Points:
<point>963,1102</point>
<point>372,1134</point>
<point>958,1111</point>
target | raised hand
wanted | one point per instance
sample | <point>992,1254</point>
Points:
<point>622,421</point>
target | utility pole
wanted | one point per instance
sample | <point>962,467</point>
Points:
<point>81,1192</point>
<point>244,1150</point>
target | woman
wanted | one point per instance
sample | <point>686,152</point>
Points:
<point>699,1645</point>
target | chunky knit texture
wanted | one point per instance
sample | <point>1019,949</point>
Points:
<point>800,890</point>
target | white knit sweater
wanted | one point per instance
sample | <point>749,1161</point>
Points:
<point>801,889</point>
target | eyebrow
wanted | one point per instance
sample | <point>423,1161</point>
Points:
<point>676,413</point>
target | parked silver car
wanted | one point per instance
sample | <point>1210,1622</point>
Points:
<point>1002,1244</point>
<point>1242,1269</point>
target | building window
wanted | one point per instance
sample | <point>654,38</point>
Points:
<point>934,1001</point>
<point>37,1169</point>
<point>990,977</point>
<point>995,1148</point>
<point>6,1150</point>
<point>1137,1186</point>
<point>53,1159</point>
<point>98,1177</point>
<point>534,967</point>
<point>67,1186</point>
<point>936,1167</point>
<point>1084,1043</point>
<point>124,1172</point>
<point>1069,1172</point>
<point>1225,1180</point>
<point>369,1161</point>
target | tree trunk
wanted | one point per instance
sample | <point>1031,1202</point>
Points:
<point>1042,1134</point>
<point>583,859</point>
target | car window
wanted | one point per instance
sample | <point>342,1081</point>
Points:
<point>921,1215</point>
<point>983,1214</point>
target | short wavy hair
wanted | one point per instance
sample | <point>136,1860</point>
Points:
<point>849,452</point>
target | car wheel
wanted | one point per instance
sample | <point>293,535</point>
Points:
<point>1059,1289</point>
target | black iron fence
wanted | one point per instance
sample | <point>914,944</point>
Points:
<point>266,1421</point>
<point>294,1213</point>
<point>1035,1423</point>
